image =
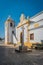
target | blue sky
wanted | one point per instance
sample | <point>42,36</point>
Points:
<point>15,8</point>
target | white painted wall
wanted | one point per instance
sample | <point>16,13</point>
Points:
<point>25,32</point>
<point>38,32</point>
<point>18,33</point>
<point>32,25</point>
<point>8,32</point>
<point>14,40</point>
<point>38,35</point>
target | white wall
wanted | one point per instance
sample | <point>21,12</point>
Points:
<point>25,32</point>
<point>38,32</point>
<point>8,32</point>
<point>40,23</point>
<point>38,35</point>
<point>19,30</point>
<point>14,40</point>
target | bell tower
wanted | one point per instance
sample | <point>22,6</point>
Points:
<point>9,29</point>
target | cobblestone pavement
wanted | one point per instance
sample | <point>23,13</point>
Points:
<point>8,56</point>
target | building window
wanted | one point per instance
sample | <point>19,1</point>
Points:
<point>32,36</point>
<point>11,24</point>
<point>13,32</point>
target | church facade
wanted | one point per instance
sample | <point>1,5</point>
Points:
<point>28,31</point>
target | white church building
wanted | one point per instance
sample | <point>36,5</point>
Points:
<point>28,31</point>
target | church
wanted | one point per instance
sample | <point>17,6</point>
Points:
<point>28,31</point>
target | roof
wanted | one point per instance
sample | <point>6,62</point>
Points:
<point>9,19</point>
<point>36,15</point>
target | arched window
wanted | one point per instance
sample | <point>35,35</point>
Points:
<point>11,24</point>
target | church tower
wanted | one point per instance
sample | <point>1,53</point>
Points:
<point>9,30</point>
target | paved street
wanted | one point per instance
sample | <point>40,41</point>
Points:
<point>8,56</point>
